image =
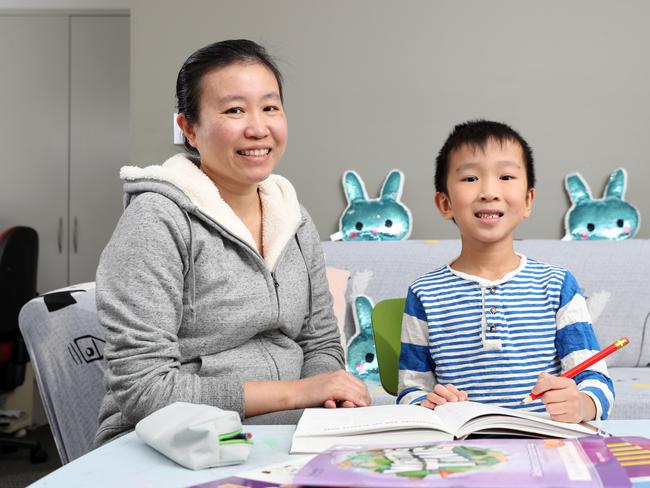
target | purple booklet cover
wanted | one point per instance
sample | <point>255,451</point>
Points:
<point>630,453</point>
<point>584,462</point>
<point>236,482</point>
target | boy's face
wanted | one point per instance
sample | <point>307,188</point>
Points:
<point>487,192</point>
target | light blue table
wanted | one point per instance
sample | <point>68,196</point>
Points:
<point>127,461</point>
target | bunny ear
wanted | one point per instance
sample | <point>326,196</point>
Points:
<point>363,313</point>
<point>577,188</point>
<point>393,184</point>
<point>616,184</point>
<point>354,187</point>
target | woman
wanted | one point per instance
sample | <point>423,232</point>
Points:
<point>212,288</point>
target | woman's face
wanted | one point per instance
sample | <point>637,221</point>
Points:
<point>242,129</point>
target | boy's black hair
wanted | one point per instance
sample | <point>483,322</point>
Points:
<point>476,134</point>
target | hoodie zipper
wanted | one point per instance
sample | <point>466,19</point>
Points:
<point>258,256</point>
<point>264,269</point>
<point>276,284</point>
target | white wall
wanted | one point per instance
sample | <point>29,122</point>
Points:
<point>377,84</point>
<point>65,4</point>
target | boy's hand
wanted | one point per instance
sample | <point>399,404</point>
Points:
<point>443,394</point>
<point>563,401</point>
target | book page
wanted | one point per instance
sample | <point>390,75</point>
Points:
<point>315,444</point>
<point>320,428</point>
<point>456,414</point>
<point>464,418</point>
<point>381,418</point>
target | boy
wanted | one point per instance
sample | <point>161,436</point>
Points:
<point>494,325</point>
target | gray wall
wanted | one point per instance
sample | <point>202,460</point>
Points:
<point>378,84</point>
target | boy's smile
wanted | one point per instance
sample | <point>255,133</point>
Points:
<point>487,192</point>
<point>488,215</point>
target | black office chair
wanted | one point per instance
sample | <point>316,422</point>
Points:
<point>18,267</point>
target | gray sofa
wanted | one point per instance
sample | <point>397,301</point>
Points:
<point>614,275</point>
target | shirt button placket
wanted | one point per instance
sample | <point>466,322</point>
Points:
<point>493,310</point>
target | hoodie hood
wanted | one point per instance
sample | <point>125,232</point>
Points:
<point>180,179</point>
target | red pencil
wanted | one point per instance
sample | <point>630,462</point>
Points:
<point>585,364</point>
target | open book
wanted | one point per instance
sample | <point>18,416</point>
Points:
<point>321,428</point>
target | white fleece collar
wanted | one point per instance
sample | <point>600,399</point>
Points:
<point>280,208</point>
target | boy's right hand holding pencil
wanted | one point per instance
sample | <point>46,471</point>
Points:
<point>563,400</point>
<point>443,394</point>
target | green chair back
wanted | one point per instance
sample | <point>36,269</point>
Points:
<point>387,329</point>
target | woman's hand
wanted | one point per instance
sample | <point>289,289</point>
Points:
<point>563,401</point>
<point>443,394</point>
<point>333,389</point>
<point>336,388</point>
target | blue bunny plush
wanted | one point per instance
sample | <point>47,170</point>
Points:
<point>384,218</point>
<point>362,355</point>
<point>609,217</point>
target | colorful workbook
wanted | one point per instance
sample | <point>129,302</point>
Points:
<point>236,482</point>
<point>588,462</point>
<point>320,428</point>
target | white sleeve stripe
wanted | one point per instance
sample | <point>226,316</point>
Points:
<point>599,407</point>
<point>601,386</point>
<point>575,358</point>
<point>414,395</point>
<point>607,393</point>
<point>414,331</point>
<point>416,379</point>
<point>573,312</point>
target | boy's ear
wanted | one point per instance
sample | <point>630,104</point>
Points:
<point>443,204</point>
<point>187,127</point>
<point>530,197</point>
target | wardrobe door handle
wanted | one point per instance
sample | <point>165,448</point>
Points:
<point>59,236</point>
<point>75,234</point>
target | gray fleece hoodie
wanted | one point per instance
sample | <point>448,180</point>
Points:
<point>192,310</point>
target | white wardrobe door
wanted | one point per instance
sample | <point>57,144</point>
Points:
<point>34,136</point>
<point>99,136</point>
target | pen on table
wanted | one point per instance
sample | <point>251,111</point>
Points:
<point>236,437</point>
<point>585,364</point>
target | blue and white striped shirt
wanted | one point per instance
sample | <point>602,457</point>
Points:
<point>492,339</point>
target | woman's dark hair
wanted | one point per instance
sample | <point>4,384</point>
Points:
<point>208,58</point>
<point>476,134</point>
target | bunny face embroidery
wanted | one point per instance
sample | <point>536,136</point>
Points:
<point>609,217</point>
<point>380,219</point>
<point>362,355</point>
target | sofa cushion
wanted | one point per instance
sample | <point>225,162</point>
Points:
<point>632,386</point>
<point>338,284</point>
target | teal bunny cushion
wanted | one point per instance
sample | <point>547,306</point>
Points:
<point>609,217</point>
<point>379,219</point>
<point>362,355</point>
